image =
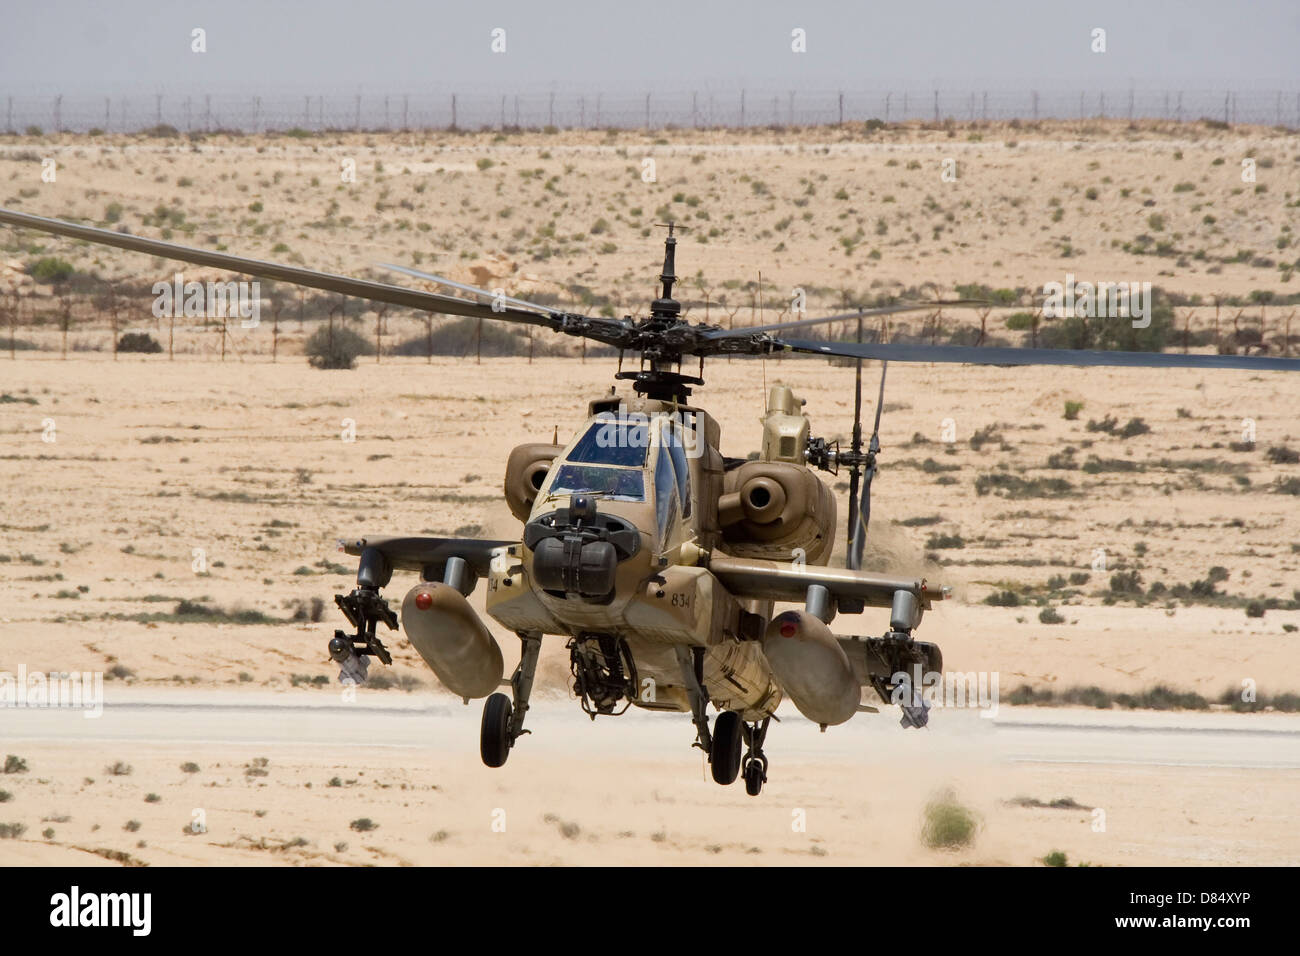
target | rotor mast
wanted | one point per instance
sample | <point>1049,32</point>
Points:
<point>660,375</point>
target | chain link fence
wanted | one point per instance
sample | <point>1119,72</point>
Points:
<point>648,111</point>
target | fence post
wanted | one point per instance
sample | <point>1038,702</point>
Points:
<point>936,106</point>
<point>1035,96</point>
<point>647,112</point>
<point>58,118</point>
<point>356,122</point>
<point>841,107</point>
<point>453,111</point>
<point>742,109</point>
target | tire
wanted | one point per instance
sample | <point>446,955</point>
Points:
<point>725,758</point>
<point>754,778</point>
<point>494,737</point>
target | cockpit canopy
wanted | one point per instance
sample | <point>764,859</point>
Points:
<point>616,457</point>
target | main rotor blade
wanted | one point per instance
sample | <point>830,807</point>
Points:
<point>858,535</point>
<point>309,278</point>
<point>845,317</point>
<point>472,289</point>
<point>972,355</point>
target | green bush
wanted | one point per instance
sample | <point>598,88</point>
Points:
<point>948,825</point>
<point>1003,599</point>
<point>138,342</point>
<point>50,269</point>
<point>337,347</point>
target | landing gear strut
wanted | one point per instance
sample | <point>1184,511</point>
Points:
<point>503,718</point>
<point>691,661</point>
<point>754,766</point>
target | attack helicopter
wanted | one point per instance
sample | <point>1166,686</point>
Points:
<point>658,559</point>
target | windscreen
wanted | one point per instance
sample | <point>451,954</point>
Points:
<point>613,442</point>
<point>621,484</point>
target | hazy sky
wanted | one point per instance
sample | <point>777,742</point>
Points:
<point>81,47</point>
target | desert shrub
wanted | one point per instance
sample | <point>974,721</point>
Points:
<point>138,342</point>
<point>462,337</point>
<point>1003,599</point>
<point>50,269</point>
<point>1134,427</point>
<point>948,825</point>
<point>1126,582</point>
<point>339,347</point>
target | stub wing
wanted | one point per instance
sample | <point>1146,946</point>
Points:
<point>405,553</point>
<point>779,581</point>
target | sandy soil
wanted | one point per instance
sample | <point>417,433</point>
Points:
<point>841,214</point>
<point>246,465</point>
<point>288,778</point>
<point>226,483</point>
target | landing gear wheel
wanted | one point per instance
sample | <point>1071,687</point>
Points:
<point>754,766</point>
<point>725,756</point>
<point>494,738</point>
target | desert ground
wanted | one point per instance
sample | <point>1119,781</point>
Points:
<point>171,521</point>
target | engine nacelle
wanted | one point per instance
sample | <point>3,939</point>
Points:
<point>452,639</point>
<point>526,470</point>
<point>813,669</point>
<point>770,508</point>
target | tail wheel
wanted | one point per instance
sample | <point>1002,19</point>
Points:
<point>725,757</point>
<point>494,738</point>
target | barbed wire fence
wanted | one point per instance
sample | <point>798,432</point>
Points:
<point>653,110</point>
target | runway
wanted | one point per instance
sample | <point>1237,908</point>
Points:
<point>417,721</point>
